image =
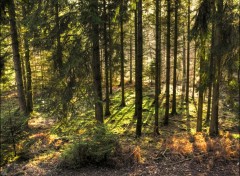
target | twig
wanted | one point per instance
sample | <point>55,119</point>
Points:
<point>188,159</point>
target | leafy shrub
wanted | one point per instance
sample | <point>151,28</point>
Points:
<point>96,147</point>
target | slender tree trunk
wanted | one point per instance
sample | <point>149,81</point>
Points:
<point>210,76</point>
<point>107,111</point>
<point>122,55</point>
<point>130,81</point>
<point>139,65</point>
<point>183,69</point>
<point>29,97</point>
<point>239,83</point>
<point>167,64</point>
<point>194,71</point>
<point>156,128</point>
<point>58,62</point>
<point>110,52</point>
<point>188,53</point>
<point>136,48</point>
<point>16,56</point>
<point>24,75</point>
<point>217,69</point>
<point>239,76</point>
<point>160,47</point>
<point>201,89</point>
<point>174,104</point>
<point>96,63</point>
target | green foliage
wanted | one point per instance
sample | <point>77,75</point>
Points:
<point>95,147</point>
<point>11,130</point>
<point>202,20</point>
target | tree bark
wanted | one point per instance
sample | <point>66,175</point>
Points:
<point>210,75</point>
<point>136,48</point>
<point>216,69</point>
<point>201,88</point>
<point>160,48</point>
<point>139,64</point>
<point>122,55</point>
<point>16,57</point>
<point>130,81</point>
<point>188,53</point>
<point>96,63</point>
<point>174,103</point>
<point>107,111</point>
<point>194,72</point>
<point>29,96</point>
<point>167,64</point>
<point>110,52</point>
<point>156,128</point>
<point>183,70</point>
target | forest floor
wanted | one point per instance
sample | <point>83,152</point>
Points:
<point>178,150</point>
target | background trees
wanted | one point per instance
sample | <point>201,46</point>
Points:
<point>65,53</point>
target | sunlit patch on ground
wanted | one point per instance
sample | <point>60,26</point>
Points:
<point>40,122</point>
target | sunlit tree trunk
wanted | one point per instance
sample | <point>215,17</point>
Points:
<point>107,111</point>
<point>122,55</point>
<point>96,63</point>
<point>156,128</point>
<point>167,64</point>
<point>138,72</point>
<point>16,56</point>
<point>174,103</point>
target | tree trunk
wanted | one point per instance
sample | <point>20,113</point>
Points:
<point>194,71</point>
<point>122,55</point>
<point>96,63</point>
<point>139,64</point>
<point>188,53</point>
<point>217,69</point>
<point>210,76</point>
<point>29,97</point>
<point>167,64</point>
<point>107,111</point>
<point>110,52</point>
<point>201,88</point>
<point>160,48</point>
<point>156,128</point>
<point>16,57</point>
<point>136,48</point>
<point>183,69</point>
<point>130,81</point>
<point>174,104</point>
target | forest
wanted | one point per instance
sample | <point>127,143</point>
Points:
<point>119,87</point>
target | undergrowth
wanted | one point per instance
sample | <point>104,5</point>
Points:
<point>97,146</point>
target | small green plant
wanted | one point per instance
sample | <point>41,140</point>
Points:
<point>95,147</point>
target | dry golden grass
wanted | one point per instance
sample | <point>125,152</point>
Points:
<point>179,145</point>
<point>224,147</point>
